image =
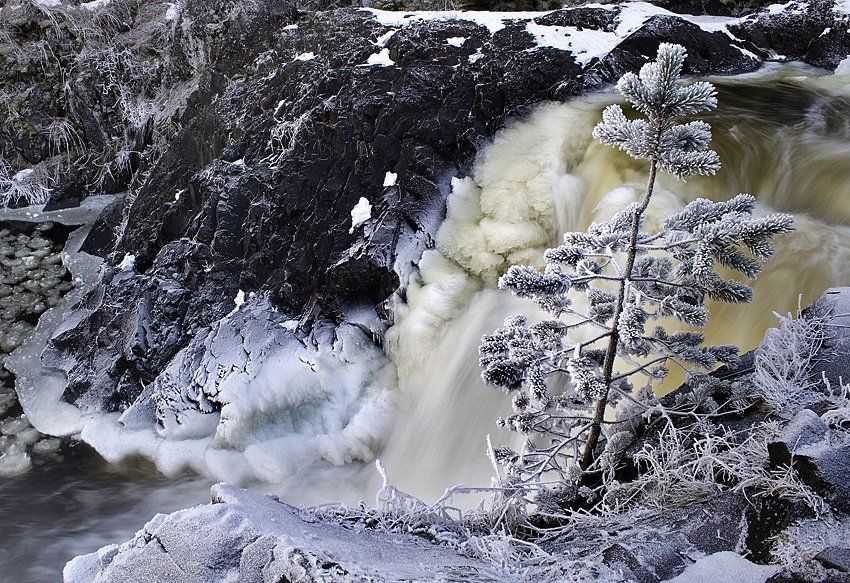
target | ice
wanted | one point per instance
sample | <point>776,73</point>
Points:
<point>249,400</point>
<point>40,389</point>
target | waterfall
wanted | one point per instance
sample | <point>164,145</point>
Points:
<point>783,136</point>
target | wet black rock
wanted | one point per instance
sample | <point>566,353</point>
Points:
<point>287,129</point>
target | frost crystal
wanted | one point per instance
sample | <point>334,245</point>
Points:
<point>562,383</point>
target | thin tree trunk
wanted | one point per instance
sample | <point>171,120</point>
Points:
<point>587,457</point>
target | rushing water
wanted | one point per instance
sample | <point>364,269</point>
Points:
<point>784,138</point>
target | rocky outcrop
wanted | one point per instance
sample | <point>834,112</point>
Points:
<point>252,538</point>
<point>291,118</point>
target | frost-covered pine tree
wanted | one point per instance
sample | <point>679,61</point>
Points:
<point>565,373</point>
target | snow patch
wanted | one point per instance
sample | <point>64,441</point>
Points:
<point>22,175</point>
<point>361,213</point>
<point>52,3</point>
<point>128,263</point>
<point>381,59</point>
<point>238,301</point>
<point>456,41</point>
<point>492,21</point>
<point>793,6</point>
<point>584,44</point>
<point>305,57</point>
<point>382,40</point>
<point>94,5</point>
<point>173,12</point>
<point>719,566</point>
<point>842,8</point>
<point>389,180</point>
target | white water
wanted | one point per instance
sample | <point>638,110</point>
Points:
<point>783,136</point>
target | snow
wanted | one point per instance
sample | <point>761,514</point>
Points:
<point>305,57</point>
<point>585,44</point>
<point>842,8</point>
<point>382,40</point>
<point>173,12</point>
<point>793,6</point>
<point>389,180</point>
<point>843,67</point>
<point>361,213</point>
<point>492,21</point>
<point>247,536</point>
<point>95,4</point>
<point>239,300</point>
<point>475,57</point>
<point>720,567</point>
<point>128,263</point>
<point>290,27</point>
<point>178,193</point>
<point>22,175</point>
<point>49,3</point>
<point>381,59</point>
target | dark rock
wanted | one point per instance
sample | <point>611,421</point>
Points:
<point>832,360</point>
<point>806,429</point>
<point>658,547</point>
<point>807,444</point>
<point>837,558</point>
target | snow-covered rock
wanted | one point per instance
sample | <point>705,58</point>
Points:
<point>252,538</point>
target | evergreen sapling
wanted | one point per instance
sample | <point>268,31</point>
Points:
<point>566,373</point>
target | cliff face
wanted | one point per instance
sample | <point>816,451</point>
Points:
<point>247,133</point>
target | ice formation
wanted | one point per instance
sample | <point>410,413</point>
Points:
<point>250,399</point>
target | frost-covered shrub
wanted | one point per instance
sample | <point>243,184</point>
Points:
<point>565,373</point>
<point>28,186</point>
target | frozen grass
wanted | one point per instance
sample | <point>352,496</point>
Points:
<point>783,362</point>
